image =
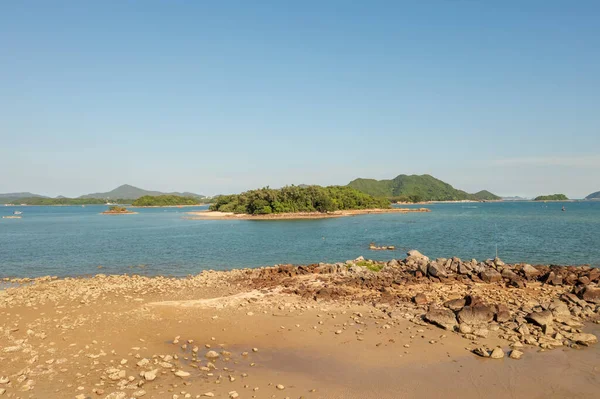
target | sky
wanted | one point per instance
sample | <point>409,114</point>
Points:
<point>220,97</point>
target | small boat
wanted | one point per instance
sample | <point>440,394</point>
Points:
<point>563,209</point>
<point>17,213</point>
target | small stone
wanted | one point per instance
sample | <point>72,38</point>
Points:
<point>182,374</point>
<point>497,353</point>
<point>280,387</point>
<point>212,355</point>
<point>233,395</point>
<point>209,394</point>
<point>481,352</point>
<point>515,354</point>
<point>150,375</point>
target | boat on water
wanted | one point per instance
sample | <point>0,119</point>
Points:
<point>17,213</point>
<point>11,217</point>
<point>563,209</point>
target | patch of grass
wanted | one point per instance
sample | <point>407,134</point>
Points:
<point>369,265</point>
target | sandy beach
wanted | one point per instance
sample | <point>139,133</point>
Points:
<point>216,215</point>
<point>315,331</point>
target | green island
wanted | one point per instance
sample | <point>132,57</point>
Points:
<point>553,197</point>
<point>69,201</point>
<point>166,200</point>
<point>118,210</point>
<point>415,188</point>
<point>294,199</point>
<point>593,196</point>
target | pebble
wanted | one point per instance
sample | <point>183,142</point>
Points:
<point>497,353</point>
<point>516,354</point>
<point>280,387</point>
<point>182,374</point>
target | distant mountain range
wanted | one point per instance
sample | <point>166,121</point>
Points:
<point>593,196</point>
<point>131,192</point>
<point>417,188</point>
<point>125,191</point>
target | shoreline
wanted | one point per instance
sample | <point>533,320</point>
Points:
<point>216,215</point>
<point>322,330</point>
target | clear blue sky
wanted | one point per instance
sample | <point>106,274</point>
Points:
<point>222,96</point>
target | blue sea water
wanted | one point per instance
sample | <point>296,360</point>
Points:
<point>67,241</point>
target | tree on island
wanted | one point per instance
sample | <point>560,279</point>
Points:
<point>553,197</point>
<point>293,199</point>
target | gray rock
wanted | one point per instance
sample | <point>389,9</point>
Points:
<point>477,314</point>
<point>444,318</point>
<point>416,254</point>
<point>436,270</point>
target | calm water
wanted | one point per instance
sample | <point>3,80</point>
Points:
<point>74,240</point>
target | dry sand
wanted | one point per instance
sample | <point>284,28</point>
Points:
<point>216,215</point>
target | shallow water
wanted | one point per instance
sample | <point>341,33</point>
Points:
<point>76,241</point>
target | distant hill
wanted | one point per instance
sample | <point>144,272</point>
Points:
<point>417,188</point>
<point>593,196</point>
<point>131,192</point>
<point>10,198</point>
<point>553,197</point>
<point>515,199</point>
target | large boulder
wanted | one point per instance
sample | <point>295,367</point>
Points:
<point>476,314</point>
<point>542,319</point>
<point>502,313</point>
<point>436,270</point>
<point>590,294</point>
<point>530,271</point>
<point>490,276</point>
<point>413,253</point>
<point>444,318</point>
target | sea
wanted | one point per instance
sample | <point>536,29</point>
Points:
<point>75,241</point>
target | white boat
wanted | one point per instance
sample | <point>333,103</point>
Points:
<point>17,213</point>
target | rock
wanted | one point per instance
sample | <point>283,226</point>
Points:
<point>502,313</point>
<point>464,268</point>
<point>530,271</point>
<point>497,353</point>
<point>481,332</point>
<point>280,387</point>
<point>435,270</point>
<point>2,391</point>
<point>465,329</point>
<point>542,318</point>
<point>509,274</point>
<point>4,380</point>
<point>455,304</point>
<point>516,354</point>
<point>182,374</point>
<point>212,355</point>
<point>150,375</point>
<point>209,394</point>
<point>138,393</point>
<point>590,294</point>
<point>559,309</point>
<point>481,352</point>
<point>476,314</point>
<point>413,253</point>
<point>393,263</point>
<point>584,338</point>
<point>490,276</point>
<point>444,318</point>
<point>420,299</point>
<point>234,395</point>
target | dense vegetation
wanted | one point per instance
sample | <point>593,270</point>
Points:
<point>68,201</point>
<point>593,196</point>
<point>553,197</point>
<point>117,209</point>
<point>416,188</point>
<point>165,200</point>
<point>296,199</point>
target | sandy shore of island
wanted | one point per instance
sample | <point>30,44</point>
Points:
<point>315,331</point>
<point>216,215</point>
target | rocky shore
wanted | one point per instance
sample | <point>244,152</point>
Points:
<point>342,330</point>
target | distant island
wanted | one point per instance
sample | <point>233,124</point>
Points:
<point>118,210</point>
<point>294,199</point>
<point>593,196</point>
<point>553,197</point>
<point>129,191</point>
<point>166,200</point>
<point>68,201</point>
<point>415,188</point>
